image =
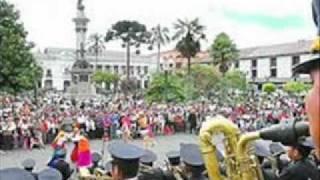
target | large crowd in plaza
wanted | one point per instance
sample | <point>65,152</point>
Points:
<point>23,124</point>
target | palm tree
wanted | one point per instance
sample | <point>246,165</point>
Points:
<point>159,37</point>
<point>223,51</point>
<point>189,33</point>
<point>96,45</point>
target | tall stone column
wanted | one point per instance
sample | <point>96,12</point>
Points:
<point>81,22</point>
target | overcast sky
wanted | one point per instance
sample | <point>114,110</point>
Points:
<point>248,22</point>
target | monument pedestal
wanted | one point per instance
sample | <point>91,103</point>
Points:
<point>81,86</point>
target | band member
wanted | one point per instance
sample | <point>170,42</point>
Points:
<point>28,165</point>
<point>300,167</point>
<point>50,174</point>
<point>125,163</point>
<point>312,67</point>
<point>193,163</point>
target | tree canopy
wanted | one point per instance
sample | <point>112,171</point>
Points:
<point>189,35</point>
<point>164,89</point>
<point>269,87</point>
<point>100,77</point>
<point>19,70</point>
<point>223,50</point>
<point>296,87</point>
<point>131,33</point>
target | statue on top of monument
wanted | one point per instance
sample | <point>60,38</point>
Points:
<point>80,6</point>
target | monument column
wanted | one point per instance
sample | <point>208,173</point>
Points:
<point>81,22</point>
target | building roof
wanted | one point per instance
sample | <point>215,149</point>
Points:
<point>292,48</point>
<point>70,54</point>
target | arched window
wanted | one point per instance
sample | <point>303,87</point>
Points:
<point>49,73</point>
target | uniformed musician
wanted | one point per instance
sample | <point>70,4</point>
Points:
<point>193,163</point>
<point>312,67</point>
<point>125,163</point>
<point>300,167</point>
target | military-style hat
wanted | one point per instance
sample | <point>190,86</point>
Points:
<point>261,148</point>
<point>96,157</point>
<point>306,142</point>
<point>15,174</point>
<point>148,157</point>
<point>276,148</point>
<point>49,174</point>
<point>191,154</point>
<point>173,157</point>
<point>307,66</point>
<point>28,163</point>
<point>125,151</point>
<point>126,156</point>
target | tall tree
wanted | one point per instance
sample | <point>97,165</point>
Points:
<point>189,34</point>
<point>96,45</point>
<point>159,37</point>
<point>18,68</point>
<point>223,51</point>
<point>131,33</point>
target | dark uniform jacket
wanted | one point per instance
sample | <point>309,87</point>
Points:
<point>300,170</point>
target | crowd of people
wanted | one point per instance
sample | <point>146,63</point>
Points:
<point>25,124</point>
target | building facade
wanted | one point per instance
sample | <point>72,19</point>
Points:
<point>272,63</point>
<point>57,63</point>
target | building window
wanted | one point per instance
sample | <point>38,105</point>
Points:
<point>124,69</point>
<point>107,68</point>
<point>116,69</point>
<point>236,64</point>
<point>48,84</point>
<point>99,67</point>
<point>146,84</point>
<point>138,69</point>
<point>254,73</point>
<point>254,63</point>
<point>139,84</point>
<point>49,73</point>
<point>273,62</point>
<point>131,70</point>
<point>295,60</point>
<point>178,65</point>
<point>161,66</point>
<point>273,72</point>
<point>273,67</point>
<point>146,70</point>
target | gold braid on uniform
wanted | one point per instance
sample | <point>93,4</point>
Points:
<point>177,172</point>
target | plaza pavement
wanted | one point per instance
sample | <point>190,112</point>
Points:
<point>42,156</point>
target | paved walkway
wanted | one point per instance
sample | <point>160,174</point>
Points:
<point>42,156</point>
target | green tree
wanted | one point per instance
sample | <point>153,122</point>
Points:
<point>107,78</point>
<point>295,87</point>
<point>96,45</point>
<point>189,35</point>
<point>159,37</point>
<point>235,80</point>
<point>131,33</point>
<point>18,68</point>
<point>165,88</point>
<point>223,51</point>
<point>269,87</point>
<point>204,78</point>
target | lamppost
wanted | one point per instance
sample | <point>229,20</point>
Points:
<point>167,70</point>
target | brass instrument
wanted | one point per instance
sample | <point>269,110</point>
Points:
<point>240,162</point>
<point>316,17</point>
